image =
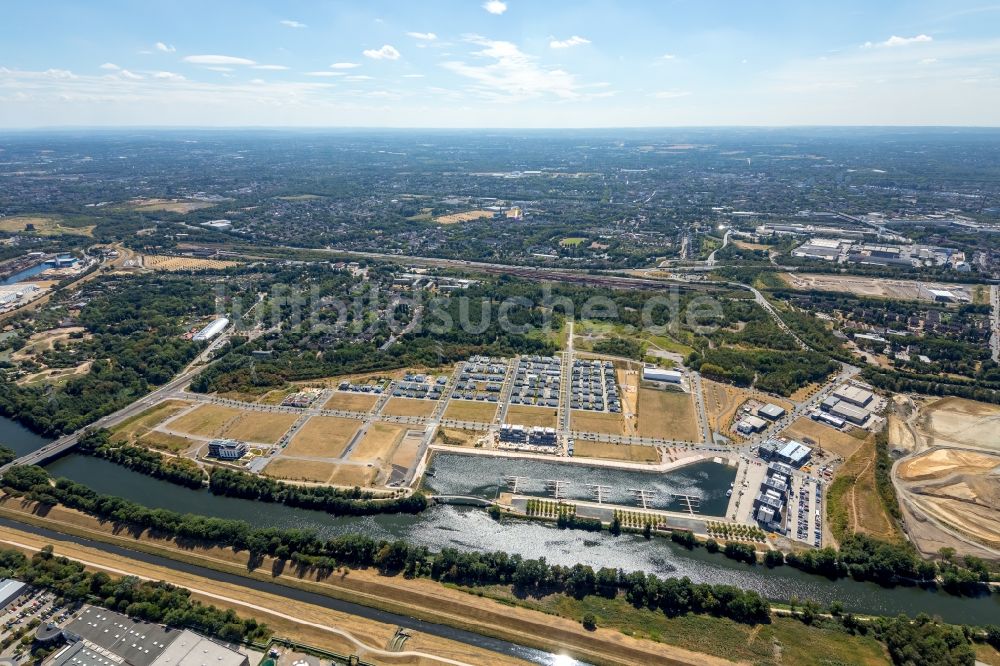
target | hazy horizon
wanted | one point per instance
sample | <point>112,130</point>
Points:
<point>499,64</point>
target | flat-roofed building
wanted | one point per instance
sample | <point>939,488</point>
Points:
<point>11,589</point>
<point>855,415</point>
<point>661,375</point>
<point>854,395</point>
<point>751,424</point>
<point>771,412</point>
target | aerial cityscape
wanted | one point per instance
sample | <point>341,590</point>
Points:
<point>525,340</point>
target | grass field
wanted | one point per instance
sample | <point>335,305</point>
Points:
<point>829,439</point>
<point>351,402</point>
<point>323,437</point>
<point>141,424</point>
<point>300,470</point>
<point>406,453</point>
<point>783,641</point>
<point>853,502</point>
<point>219,421</point>
<point>45,225</point>
<point>163,441</point>
<point>353,475</point>
<point>587,421</point>
<point>546,417</point>
<point>467,410</point>
<point>167,205</point>
<point>206,421</point>
<point>467,216</point>
<point>667,415</point>
<point>456,437</point>
<point>260,427</point>
<point>378,442</point>
<point>587,449</point>
<point>164,263</point>
<point>409,407</point>
<point>572,241</point>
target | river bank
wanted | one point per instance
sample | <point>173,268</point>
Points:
<point>417,598</point>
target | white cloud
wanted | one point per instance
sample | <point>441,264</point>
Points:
<point>272,68</point>
<point>495,7</point>
<point>59,74</point>
<point>387,52</point>
<point>168,76</point>
<point>575,40</point>
<point>668,56</point>
<point>258,81</point>
<point>423,36</point>
<point>413,76</point>
<point>125,74</point>
<point>671,94</point>
<point>165,48</point>
<point>928,61</point>
<point>217,68</point>
<point>217,60</point>
<point>323,73</point>
<point>900,41</point>
<point>514,74</point>
<point>359,77</point>
<point>288,23</point>
<point>344,65</point>
<point>110,65</point>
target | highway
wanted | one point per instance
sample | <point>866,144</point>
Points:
<point>67,442</point>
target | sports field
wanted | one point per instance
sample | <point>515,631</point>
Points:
<point>323,437</point>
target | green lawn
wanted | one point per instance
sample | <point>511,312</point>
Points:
<point>784,641</point>
<point>572,241</point>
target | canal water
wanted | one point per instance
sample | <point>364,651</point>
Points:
<point>25,274</point>
<point>484,476</point>
<point>472,529</point>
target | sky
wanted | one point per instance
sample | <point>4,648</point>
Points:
<point>498,63</point>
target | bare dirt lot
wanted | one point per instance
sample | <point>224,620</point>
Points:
<point>667,415</point>
<point>409,407</point>
<point>873,287</point>
<point>292,469</point>
<point>959,488</point>
<point>351,402</point>
<point>721,403</point>
<point>626,452</point>
<point>323,437</point>
<point>587,421</point>
<point>43,341</point>
<point>829,439</point>
<point>961,422</point>
<point>406,453</point>
<point>467,410</point>
<point>164,263</point>
<point>467,216</point>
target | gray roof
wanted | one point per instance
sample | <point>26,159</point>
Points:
<point>190,649</point>
<point>139,643</point>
